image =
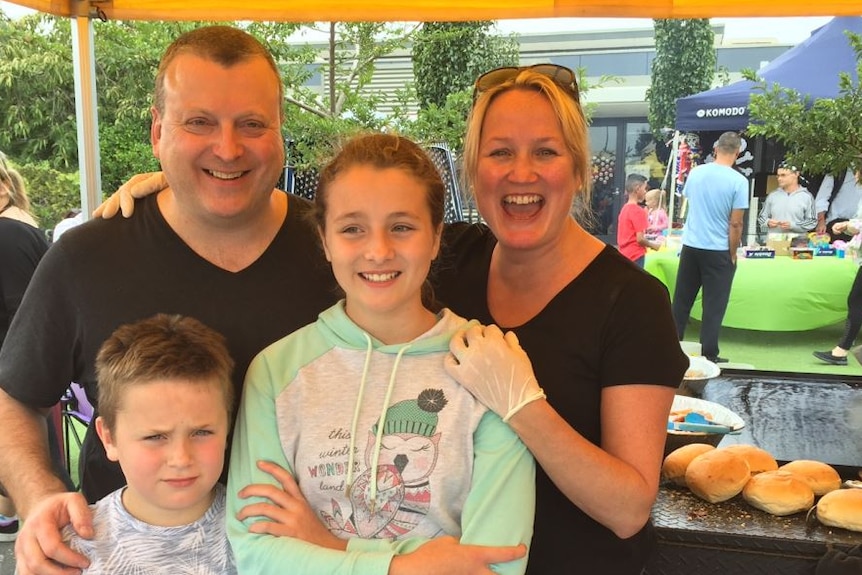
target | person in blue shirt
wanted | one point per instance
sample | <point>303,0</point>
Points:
<point>717,199</point>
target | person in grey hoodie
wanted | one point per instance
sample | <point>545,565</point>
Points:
<point>385,451</point>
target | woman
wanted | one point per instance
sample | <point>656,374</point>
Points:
<point>838,354</point>
<point>598,331</point>
<point>22,245</point>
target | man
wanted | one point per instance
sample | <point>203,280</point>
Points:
<point>837,200</point>
<point>717,198</point>
<point>632,222</point>
<point>790,208</point>
<point>221,244</point>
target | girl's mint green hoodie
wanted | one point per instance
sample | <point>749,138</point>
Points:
<point>331,404</point>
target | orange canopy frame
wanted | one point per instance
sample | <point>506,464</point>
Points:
<point>436,10</point>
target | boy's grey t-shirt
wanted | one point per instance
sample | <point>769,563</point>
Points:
<point>124,545</point>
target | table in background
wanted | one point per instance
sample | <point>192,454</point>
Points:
<point>777,294</point>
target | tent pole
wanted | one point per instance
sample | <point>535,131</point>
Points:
<point>670,176</point>
<point>83,56</point>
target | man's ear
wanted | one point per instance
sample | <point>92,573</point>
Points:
<point>155,130</point>
<point>107,439</point>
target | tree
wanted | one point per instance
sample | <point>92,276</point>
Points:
<point>684,64</point>
<point>821,137</point>
<point>36,88</point>
<point>447,59</point>
<point>52,193</point>
<point>316,120</point>
<point>449,56</point>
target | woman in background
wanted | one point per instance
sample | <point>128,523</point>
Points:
<point>22,245</point>
<point>838,354</point>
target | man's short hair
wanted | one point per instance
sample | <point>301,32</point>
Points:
<point>728,143</point>
<point>633,181</point>
<point>162,347</point>
<point>785,165</point>
<point>224,45</point>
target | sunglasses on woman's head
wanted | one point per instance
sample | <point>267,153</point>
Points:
<point>563,76</point>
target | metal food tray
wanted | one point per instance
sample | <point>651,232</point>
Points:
<point>733,538</point>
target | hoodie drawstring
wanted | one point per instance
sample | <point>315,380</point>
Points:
<point>380,423</point>
<point>353,425</point>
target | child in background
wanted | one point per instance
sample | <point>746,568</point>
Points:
<point>657,220</point>
<point>388,452</point>
<point>165,398</point>
<point>632,222</point>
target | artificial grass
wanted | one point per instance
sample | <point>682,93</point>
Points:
<point>788,351</point>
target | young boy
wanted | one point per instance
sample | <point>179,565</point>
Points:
<point>165,398</point>
<point>632,223</point>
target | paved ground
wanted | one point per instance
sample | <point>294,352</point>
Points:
<point>7,558</point>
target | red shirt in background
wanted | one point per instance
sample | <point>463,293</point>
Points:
<point>633,219</point>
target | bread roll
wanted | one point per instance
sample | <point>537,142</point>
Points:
<point>717,475</point>
<point>759,460</point>
<point>778,492</point>
<point>676,462</point>
<point>820,476</point>
<point>841,508</point>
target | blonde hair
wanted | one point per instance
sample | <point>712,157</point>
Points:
<point>569,113</point>
<point>655,193</point>
<point>13,184</point>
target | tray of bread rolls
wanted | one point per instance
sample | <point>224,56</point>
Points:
<point>735,509</point>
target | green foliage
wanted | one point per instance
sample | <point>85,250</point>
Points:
<point>436,124</point>
<point>316,120</point>
<point>448,56</point>
<point>822,136</point>
<point>52,193</point>
<point>684,64</point>
<point>38,124</point>
<point>37,89</point>
<point>312,138</point>
<point>585,85</point>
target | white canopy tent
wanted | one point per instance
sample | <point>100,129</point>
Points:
<point>83,11</point>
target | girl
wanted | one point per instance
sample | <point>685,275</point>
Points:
<point>657,220</point>
<point>386,449</point>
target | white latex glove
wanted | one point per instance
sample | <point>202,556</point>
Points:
<point>494,368</point>
<point>123,199</point>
